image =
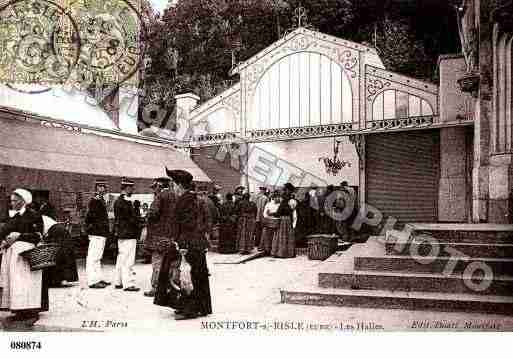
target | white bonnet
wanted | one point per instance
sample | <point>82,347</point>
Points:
<point>24,194</point>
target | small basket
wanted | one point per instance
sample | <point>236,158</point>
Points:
<point>42,256</point>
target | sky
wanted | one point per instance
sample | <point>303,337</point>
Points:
<point>159,5</point>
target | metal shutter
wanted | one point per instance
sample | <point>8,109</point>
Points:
<point>402,172</point>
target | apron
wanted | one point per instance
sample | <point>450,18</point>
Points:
<point>21,287</point>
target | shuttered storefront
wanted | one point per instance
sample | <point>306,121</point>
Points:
<point>402,174</point>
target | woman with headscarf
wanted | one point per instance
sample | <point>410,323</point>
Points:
<point>228,229</point>
<point>284,244</point>
<point>247,215</point>
<point>24,292</point>
<point>270,223</point>
<point>65,269</point>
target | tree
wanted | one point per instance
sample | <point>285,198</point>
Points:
<point>194,41</point>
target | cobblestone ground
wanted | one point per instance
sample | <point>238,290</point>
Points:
<point>241,292</point>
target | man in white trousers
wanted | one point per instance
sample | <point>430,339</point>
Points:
<point>97,224</point>
<point>126,230</point>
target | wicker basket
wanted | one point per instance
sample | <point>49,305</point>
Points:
<point>321,246</point>
<point>42,256</point>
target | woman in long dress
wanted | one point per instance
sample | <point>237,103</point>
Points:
<point>270,223</point>
<point>24,292</point>
<point>228,227</point>
<point>65,270</point>
<point>247,217</point>
<point>284,243</point>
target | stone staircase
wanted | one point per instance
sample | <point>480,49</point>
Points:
<point>439,267</point>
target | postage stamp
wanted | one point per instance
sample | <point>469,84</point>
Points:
<point>261,168</point>
<point>72,43</point>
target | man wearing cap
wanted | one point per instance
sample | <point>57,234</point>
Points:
<point>24,292</point>
<point>260,201</point>
<point>191,223</point>
<point>127,229</point>
<point>215,195</point>
<point>161,224</point>
<point>237,194</point>
<point>97,225</point>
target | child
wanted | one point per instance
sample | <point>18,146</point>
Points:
<point>168,293</point>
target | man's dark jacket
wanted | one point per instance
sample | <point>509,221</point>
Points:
<point>161,221</point>
<point>97,219</point>
<point>191,222</point>
<point>126,221</point>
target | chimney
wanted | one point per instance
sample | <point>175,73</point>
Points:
<point>184,105</point>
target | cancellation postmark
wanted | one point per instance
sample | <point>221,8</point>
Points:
<point>86,44</point>
<point>39,44</point>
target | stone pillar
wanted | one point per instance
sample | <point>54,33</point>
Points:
<point>184,105</point>
<point>482,121</point>
<point>452,202</point>
<point>501,134</point>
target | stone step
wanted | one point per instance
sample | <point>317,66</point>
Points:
<point>406,264</point>
<point>442,302</point>
<point>418,282</point>
<point>463,232</point>
<point>441,249</point>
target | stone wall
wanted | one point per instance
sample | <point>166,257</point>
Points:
<point>455,174</point>
<point>454,104</point>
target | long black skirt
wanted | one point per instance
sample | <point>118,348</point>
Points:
<point>165,294</point>
<point>199,301</point>
<point>66,264</point>
<point>227,238</point>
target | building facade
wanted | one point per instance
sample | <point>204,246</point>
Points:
<point>409,143</point>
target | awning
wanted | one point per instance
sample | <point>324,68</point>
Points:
<point>29,144</point>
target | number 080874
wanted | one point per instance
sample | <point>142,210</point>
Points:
<point>21,345</point>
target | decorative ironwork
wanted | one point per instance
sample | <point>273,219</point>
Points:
<point>348,61</point>
<point>334,165</point>
<point>300,20</point>
<point>405,83</point>
<point>299,43</point>
<point>299,132</point>
<point>214,138</point>
<point>300,15</point>
<point>374,86</point>
<point>400,123</point>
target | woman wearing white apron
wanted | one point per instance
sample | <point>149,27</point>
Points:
<point>22,290</point>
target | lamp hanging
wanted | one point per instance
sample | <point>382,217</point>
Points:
<point>334,165</point>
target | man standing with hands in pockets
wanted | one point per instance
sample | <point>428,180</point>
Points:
<point>97,224</point>
<point>127,229</point>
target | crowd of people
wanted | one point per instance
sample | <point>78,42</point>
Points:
<point>277,221</point>
<point>179,227</point>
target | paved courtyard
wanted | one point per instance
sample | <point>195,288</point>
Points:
<point>242,293</point>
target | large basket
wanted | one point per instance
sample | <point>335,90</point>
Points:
<point>42,256</point>
<point>321,246</point>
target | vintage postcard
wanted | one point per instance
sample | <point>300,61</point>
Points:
<point>256,166</point>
